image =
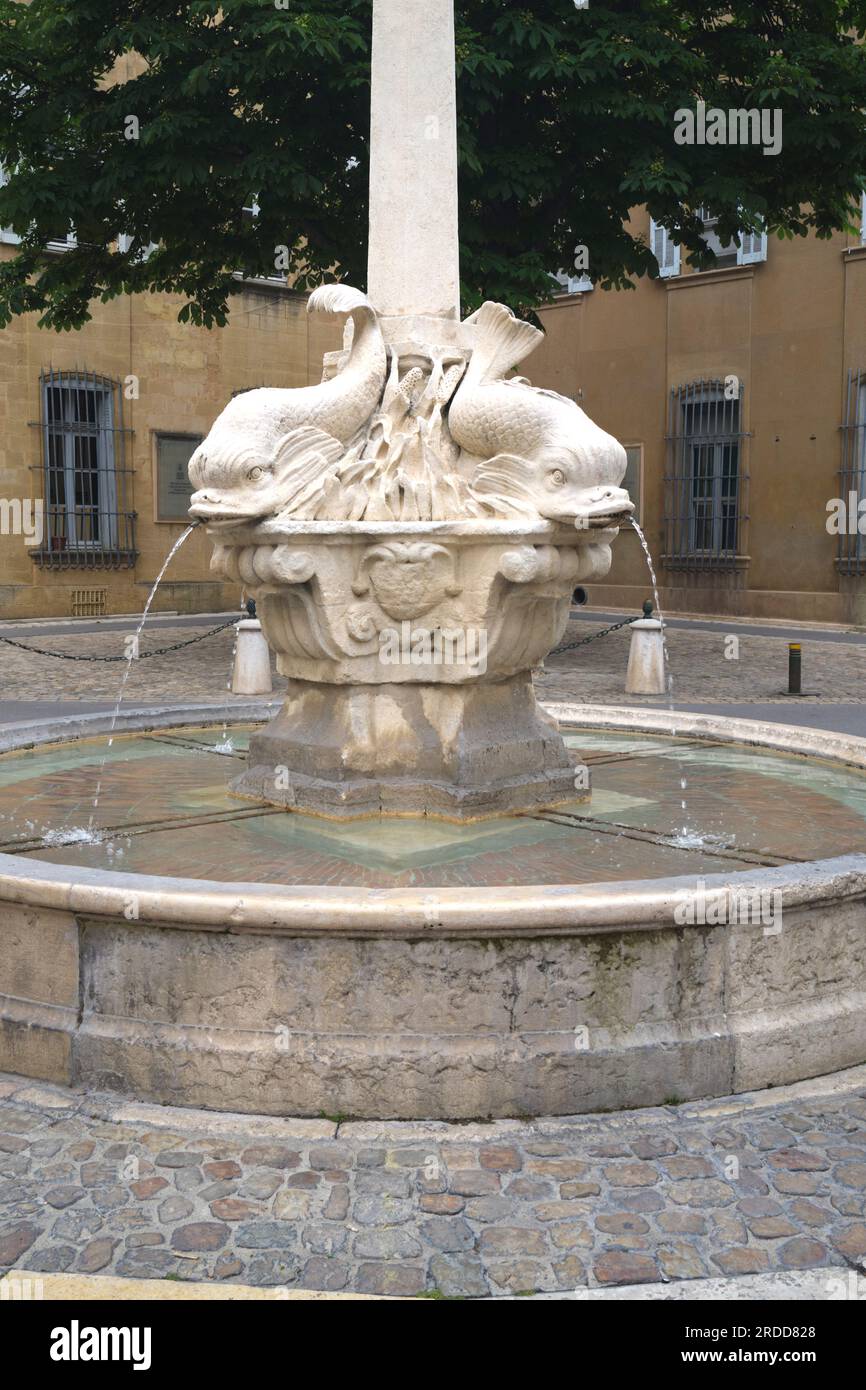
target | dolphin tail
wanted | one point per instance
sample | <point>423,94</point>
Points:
<point>340,299</point>
<point>501,342</point>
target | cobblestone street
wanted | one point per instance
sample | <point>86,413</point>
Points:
<point>594,673</point>
<point>758,1183</point>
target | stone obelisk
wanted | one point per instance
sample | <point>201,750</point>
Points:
<point>414,264</point>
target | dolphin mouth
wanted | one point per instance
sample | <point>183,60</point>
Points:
<point>219,515</point>
<point>610,509</point>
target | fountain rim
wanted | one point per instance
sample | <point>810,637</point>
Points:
<point>530,910</point>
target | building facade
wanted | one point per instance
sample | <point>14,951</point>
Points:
<point>740,394</point>
<point>97,428</point>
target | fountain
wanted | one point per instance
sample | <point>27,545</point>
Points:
<point>476,906</point>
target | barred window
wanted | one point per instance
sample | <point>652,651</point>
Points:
<point>852,546</point>
<point>88,519</point>
<point>705,478</point>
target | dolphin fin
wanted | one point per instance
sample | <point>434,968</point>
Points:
<point>304,458</point>
<point>501,342</point>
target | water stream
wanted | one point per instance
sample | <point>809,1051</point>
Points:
<point>132,655</point>
<point>686,837</point>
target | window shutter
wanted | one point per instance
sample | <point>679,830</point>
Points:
<point>6,233</point>
<point>665,249</point>
<point>752,248</point>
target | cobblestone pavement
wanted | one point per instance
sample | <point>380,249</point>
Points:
<point>771,1182</point>
<point>595,673</point>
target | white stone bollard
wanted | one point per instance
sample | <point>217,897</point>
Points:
<point>252,669</point>
<point>646,659</point>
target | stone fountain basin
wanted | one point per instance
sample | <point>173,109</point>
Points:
<point>453,1003</point>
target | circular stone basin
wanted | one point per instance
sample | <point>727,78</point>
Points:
<point>696,929</point>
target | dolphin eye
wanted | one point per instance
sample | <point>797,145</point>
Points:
<point>254,474</point>
<point>556,478</point>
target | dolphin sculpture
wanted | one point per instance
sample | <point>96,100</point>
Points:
<point>269,439</point>
<point>541,452</point>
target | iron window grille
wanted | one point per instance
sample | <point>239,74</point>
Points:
<point>706,480</point>
<point>88,517</point>
<point>852,547</point>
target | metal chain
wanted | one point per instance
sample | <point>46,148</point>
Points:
<point>614,627</point>
<point>160,651</point>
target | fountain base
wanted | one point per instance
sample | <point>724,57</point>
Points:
<point>461,752</point>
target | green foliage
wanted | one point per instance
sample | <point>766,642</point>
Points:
<point>566,123</point>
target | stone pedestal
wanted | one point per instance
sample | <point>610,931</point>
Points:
<point>252,668</point>
<point>646,659</point>
<point>456,751</point>
<point>408,648</point>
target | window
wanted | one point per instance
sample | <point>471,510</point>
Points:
<point>747,249</point>
<point>85,483</point>
<point>6,233</point>
<point>705,480</point>
<point>665,250</point>
<point>571,284</point>
<point>173,487</point>
<point>852,546</point>
<point>633,480</point>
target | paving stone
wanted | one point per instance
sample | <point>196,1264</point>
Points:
<point>222,1169</point>
<point>395,1280</point>
<point>174,1209</point>
<point>702,1192</point>
<point>851,1175</point>
<point>147,1187</point>
<point>568,1235</point>
<point>265,1235</point>
<point>459,1276</point>
<point>379,1182</point>
<point>305,1179</point>
<point>290,1205</point>
<point>371,1158</point>
<point>61,1197</point>
<point>848,1204</point>
<point>227,1266</point>
<point>72,1225</point>
<point>618,1223</point>
<point>489,1210</point>
<point>15,1238</point>
<point>449,1234</point>
<point>803,1184</point>
<point>810,1213</point>
<point>741,1260</point>
<point>850,1241</point>
<point>260,1186</point>
<point>652,1146</point>
<point>270,1156</point>
<point>624,1267</point>
<point>729,1228</point>
<point>641,1200</point>
<point>391,1244</point>
<point>802,1253</point>
<point>799,1161</point>
<point>560,1169</point>
<point>560,1211</point>
<point>201,1235</point>
<point>55,1259</point>
<point>520,1276</point>
<point>98,1174</point>
<point>681,1260</point>
<point>501,1158</point>
<point>96,1255</point>
<point>324,1240</point>
<point>188,1179</point>
<point>110,1198</point>
<point>682,1223</point>
<point>325,1274</point>
<point>759,1206</point>
<point>442,1204</point>
<point>216,1190</point>
<point>569,1273</point>
<point>511,1240</point>
<point>174,1158</point>
<point>273,1269</point>
<point>686,1166</point>
<point>631,1174</point>
<point>331,1156</point>
<point>771,1227</point>
<point>474,1182</point>
<point>382,1211</point>
<point>570,1190</point>
<point>232,1209</point>
<point>142,1238</point>
<point>337,1206</point>
<point>13,1143</point>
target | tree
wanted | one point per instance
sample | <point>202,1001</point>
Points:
<point>163,120</point>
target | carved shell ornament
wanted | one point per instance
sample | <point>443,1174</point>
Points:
<point>443,437</point>
<point>407,579</point>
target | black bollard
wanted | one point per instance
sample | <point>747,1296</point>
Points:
<point>795,668</point>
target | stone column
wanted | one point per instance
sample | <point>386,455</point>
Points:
<point>414,264</point>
